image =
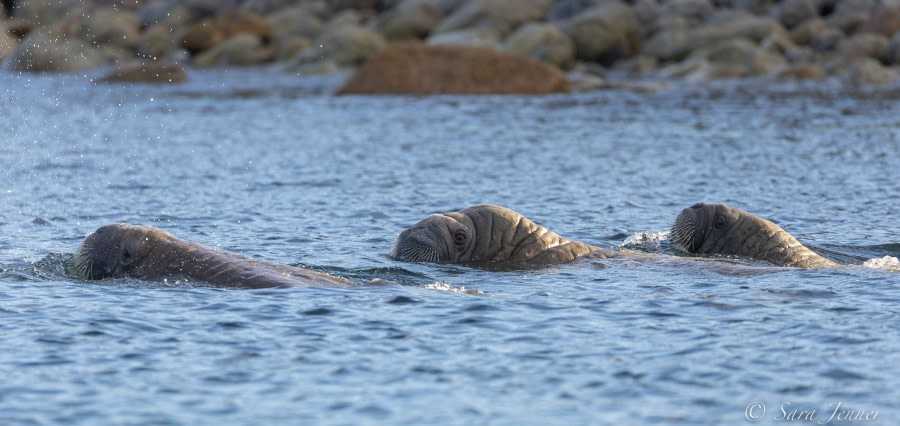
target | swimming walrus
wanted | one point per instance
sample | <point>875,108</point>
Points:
<point>491,236</point>
<point>148,253</point>
<point>723,230</point>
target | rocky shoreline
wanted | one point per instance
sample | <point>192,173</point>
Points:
<point>584,41</point>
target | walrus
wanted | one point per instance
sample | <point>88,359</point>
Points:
<point>149,253</point>
<point>722,230</point>
<point>490,236</point>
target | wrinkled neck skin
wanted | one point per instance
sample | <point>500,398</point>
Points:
<point>753,237</point>
<point>505,236</point>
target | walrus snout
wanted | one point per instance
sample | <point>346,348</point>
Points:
<point>684,234</point>
<point>409,247</point>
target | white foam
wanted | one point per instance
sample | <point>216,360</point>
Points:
<point>646,240</point>
<point>888,263</point>
<point>445,286</point>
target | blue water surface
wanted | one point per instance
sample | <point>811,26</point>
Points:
<point>272,165</point>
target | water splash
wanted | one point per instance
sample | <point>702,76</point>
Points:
<point>888,263</point>
<point>645,240</point>
<point>445,286</point>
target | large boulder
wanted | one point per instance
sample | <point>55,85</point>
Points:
<point>46,50</point>
<point>411,20</point>
<point>884,19</point>
<point>849,15</point>
<point>677,44</point>
<point>544,42</point>
<point>741,55</point>
<point>867,71</point>
<point>108,26</point>
<point>239,50</point>
<point>412,68</point>
<point>504,16</point>
<point>209,32</point>
<point>146,73</point>
<point>605,33</point>
<point>792,12</point>
<point>345,45</point>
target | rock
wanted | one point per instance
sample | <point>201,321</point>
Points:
<point>46,50</point>
<point>808,30</point>
<point>294,21</point>
<point>848,15</point>
<point>156,42</point>
<point>694,12</point>
<point>209,32</point>
<point>605,33</point>
<point>503,16</point>
<point>790,13</point>
<point>742,55</point>
<point>827,40</point>
<point>147,73</point>
<point>801,72</point>
<point>884,20</point>
<point>108,26</point>
<point>345,45</point>
<point>863,45</point>
<point>543,42</point>
<point>46,12</point>
<point>7,45</point>
<point>892,55</point>
<point>758,7</point>
<point>412,68</point>
<point>411,20</point>
<point>319,8</point>
<point>867,71</point>
<point>18,28</point>
<point>566,9</point>
<point>241,50</point>
<point>475,37</point>
<point>675,45</point>
<point>292,47</point>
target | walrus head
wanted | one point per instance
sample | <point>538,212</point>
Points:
<point>485,236</point>
<point>443,237</point>
<point>722,230</point>
<point>114,251</point>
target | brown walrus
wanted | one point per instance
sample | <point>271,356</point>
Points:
<point>723,230</point>
<point>488,236</point>
<point>149,253</point>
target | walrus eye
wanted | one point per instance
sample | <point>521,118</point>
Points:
<point>719,222</point>
<point>459,237</point>
<point>126,255</point>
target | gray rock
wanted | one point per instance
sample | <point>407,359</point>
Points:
<point>848,15</point>
<point>605,33</point>
<point>867,71</point>
<point>345,45</point>
<point>411,20</point>
<point>742,55</point>
<point>479,37</point>
<point>504,16</point>
<point>860,45</point>
<point>239,50</point>
<point>675,45</point>
<point>544,42</point>
<point>693,11</point>
<point>292,22</point>
<point>808,30</point>
<point>566,9</point>
<point>792,12</point>
<point>47,50</point>
<point>892,55</point>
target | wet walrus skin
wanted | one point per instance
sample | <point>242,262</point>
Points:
<point>723,230</point>
<point>149,253</point>
<point>490,236</point>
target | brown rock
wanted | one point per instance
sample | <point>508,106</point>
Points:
<point>108,26</point>
<point>801,72</point>
<point>808,30</point>
<point>503,16</point>
<point>863,45</point>
<point>147,73</point>
<point>412,68</point>
<point>884,20</point>
<point>46,50</point>
<point>211,31</point>
<point>605,33</point>
<point>543,42</point>
<point>867,71</point>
